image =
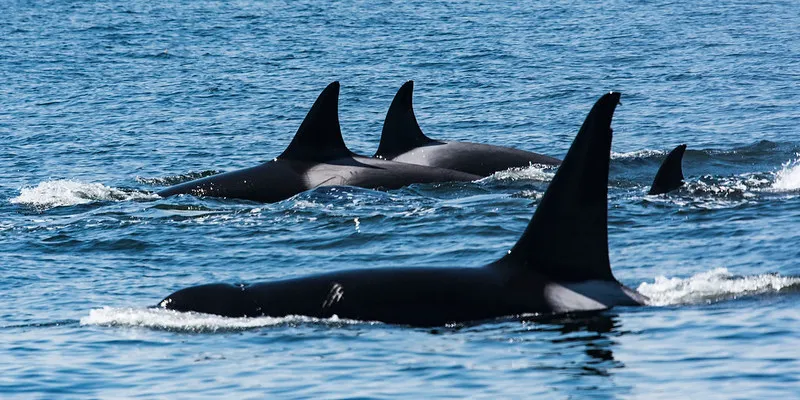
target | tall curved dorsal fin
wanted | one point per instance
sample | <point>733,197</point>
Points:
<point>567,238</point>
<point>319,137</point>
<point>401,132</point>
<point>670,174</point>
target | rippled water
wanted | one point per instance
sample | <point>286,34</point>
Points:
<point>102,104</point>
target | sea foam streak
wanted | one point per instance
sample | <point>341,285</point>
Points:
<point>62,192</point>
<point>711,286</point>
<point>646,153</point>
<point>190,321</point>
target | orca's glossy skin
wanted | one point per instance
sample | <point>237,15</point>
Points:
<point>281,179</point>
<point>402,140</point>
<point>316,157</point>
<point>559,264</point>
<point>670,174</point>
<point>406,296</point>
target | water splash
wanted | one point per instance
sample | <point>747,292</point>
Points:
<point>712,286</point>
<point>534,172</point>
<point>56,193</point>
<point>788,178</point>
<point>194,322</point>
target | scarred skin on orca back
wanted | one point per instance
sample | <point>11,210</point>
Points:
<point>559,264</point>
<point>317,156</point>
<point>402,140</point>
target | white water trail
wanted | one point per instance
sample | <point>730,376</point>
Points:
<point>158,318</point>
<point>63,192</point>
<point>708,287</point>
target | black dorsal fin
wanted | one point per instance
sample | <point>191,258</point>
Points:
<point>401,132</point>
<point>567,238</point>
<point>670,175</point>
<point>319,137</point>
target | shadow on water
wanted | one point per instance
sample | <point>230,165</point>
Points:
<point>592,333</point>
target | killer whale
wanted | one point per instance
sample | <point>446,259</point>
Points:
<point>403,140</point>
<point>317,156</point>
<point>559,264</point>
<point>670,174</point>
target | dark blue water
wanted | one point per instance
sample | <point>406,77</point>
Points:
<point>102,103</point>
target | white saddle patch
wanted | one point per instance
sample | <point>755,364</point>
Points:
<point>588,296</point>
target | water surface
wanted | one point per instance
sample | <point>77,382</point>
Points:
<point>102,104</point>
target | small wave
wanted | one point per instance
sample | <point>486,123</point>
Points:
<point>56,193</point>
<point>712,286</point>
<point>534,172</point>
<point>758,148</point>
<point>788,178</point>
<point>157,318</point>
<point>637,154</point>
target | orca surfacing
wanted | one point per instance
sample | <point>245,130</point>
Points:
<point>317,156</point>
<point>670,174</point>
<point>402,140</point>
<point>559,264</point>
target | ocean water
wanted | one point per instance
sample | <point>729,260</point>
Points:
<point>103,103</point>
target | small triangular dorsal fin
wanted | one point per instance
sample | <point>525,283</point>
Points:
<point>567,238</point>
<point>319,137</point>
<point>670,175</point>
<point>401,132</point>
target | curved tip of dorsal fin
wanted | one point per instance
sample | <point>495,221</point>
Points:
<point>404,95</point>
<point>670,175</point>
<point>567,238</point>
<point>401,132</point>
<point>319,137</point>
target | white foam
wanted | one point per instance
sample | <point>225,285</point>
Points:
<point>637,154</point>
<point>159,318</point>
<point>534,172</point>
<point>419,211</point>
<point>303,204</point>
<point>707,287</point>
<point>788,178</point>
<point>531,194</point>
<point>55,193</point>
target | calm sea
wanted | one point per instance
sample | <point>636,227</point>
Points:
<point>102,103</point>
